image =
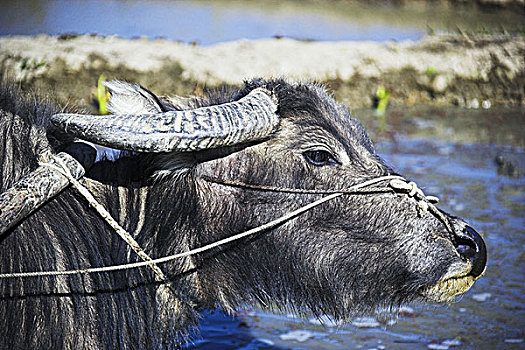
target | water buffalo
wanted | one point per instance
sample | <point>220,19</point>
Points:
<point>192,171</point>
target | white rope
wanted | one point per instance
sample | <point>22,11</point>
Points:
<point>105,215</point>
<point>221,242</point>
<point>424,202</point>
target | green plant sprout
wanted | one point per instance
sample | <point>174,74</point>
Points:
<point>431,72</point>
<point>383,96</point>
<point>102,95</point>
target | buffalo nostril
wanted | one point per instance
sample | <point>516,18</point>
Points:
<point>466,250</point>
<point>471,247</point>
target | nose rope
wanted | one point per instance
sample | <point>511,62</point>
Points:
<point>152,263</point>
<point>424,203</point>
<point>397,184</point>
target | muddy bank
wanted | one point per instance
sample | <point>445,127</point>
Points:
<point>438,70</point>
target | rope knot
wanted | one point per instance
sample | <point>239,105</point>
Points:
<point>412,190</point>
<point>424,203</point>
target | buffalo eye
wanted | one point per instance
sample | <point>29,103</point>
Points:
<point>319,157</point>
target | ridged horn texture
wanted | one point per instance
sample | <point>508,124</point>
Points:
<point>34,189</point>
<point>250,118</point>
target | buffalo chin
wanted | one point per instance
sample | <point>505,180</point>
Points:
<point>446,289</point>
<point>457,281</point>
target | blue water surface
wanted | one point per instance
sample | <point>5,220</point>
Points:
<point>187,21</point>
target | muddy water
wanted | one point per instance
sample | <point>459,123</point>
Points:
<point>475,162</point>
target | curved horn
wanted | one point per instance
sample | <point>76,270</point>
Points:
<point>250,118</point>
<point>34,189</point>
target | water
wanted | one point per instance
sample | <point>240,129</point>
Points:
<point>456,163</point>
<point>203,22</point>
<point>208,22</point>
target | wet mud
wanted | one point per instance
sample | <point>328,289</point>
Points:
<point>438,70</point>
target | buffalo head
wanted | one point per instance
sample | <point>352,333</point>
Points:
<point>355,254</point>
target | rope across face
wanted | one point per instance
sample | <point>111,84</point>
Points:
<point>251,118</point>
<point>397,184</point>
<point>62,169</point>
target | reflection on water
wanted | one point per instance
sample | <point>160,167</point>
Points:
<point>209,22</point>
<point>458,165</point>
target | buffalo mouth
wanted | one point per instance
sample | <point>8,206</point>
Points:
<point>460,276</point>
<point>452,284</point>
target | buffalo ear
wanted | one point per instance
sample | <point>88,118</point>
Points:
<point>129,98</point>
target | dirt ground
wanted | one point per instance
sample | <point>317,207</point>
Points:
<point>437,70</point>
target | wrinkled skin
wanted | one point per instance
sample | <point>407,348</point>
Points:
<point>353,255</point>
